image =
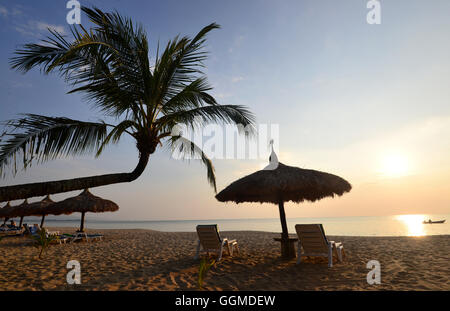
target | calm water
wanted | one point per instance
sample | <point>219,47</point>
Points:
<point>401,225</point>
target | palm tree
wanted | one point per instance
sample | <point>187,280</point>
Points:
<point>110,65</point>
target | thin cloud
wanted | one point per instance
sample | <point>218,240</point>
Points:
<point>222,95</point>
<point>38,28</point>
<point>237,79</point>
<point>3,11</point>
<point>45,26</point>
<point>236,43</point>
<point>23,24</point>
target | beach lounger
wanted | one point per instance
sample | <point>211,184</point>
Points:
<point>58,238</point>
<point>26,229</point>
<point>61,239</point>
<point>30,230</point>
<point>87,237</point>
<point>33,230</point>
<point>209,239</point>
<point>10,231</point>
<point>312,241</point>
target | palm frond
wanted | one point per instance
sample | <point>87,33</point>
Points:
<point>193,95</point>
<point>108,64</point>
<point>185,149</point>
<point>197,117</point>
<point>43,55</point>
<point>179,64</point>
<point>41,138</point>
<point>116,133</point>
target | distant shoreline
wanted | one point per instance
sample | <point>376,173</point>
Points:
<point>75,218</point>
<point>409,225</point>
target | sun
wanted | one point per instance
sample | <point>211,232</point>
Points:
<point>395,165</point>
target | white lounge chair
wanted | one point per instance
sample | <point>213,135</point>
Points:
<point>312,241</point>
<point>209,239</point>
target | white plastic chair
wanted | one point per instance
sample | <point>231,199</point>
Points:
<point>209,239</point>
<point>312,241</point>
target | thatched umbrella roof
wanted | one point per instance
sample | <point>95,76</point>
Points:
<point>40,208</point>
<point>279,183</point>
<point>20,210</point>
<point>286,183</point>
<point>4,211</point>
<point>83,203</point>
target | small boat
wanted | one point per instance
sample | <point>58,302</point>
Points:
<point>429,221</point>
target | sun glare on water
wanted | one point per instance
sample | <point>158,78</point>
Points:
<point>413,224</point>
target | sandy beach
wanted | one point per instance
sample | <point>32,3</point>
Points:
<point>151,260</point>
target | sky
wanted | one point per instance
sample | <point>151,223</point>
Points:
<point>367,102</point>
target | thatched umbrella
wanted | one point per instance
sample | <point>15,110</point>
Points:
<point>24,209</point>
<point>83,203</point>
<point>279,183</point>
<point>21,211</point>
<point>41,208</point>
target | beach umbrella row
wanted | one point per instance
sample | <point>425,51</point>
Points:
<point>83,203</point>
<point>26,209</point>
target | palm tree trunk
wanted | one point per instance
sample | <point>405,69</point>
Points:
<point>25,191</point>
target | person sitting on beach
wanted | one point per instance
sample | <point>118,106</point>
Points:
<point>13,224</point>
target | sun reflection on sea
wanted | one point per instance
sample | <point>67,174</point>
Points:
<point>413,224</point>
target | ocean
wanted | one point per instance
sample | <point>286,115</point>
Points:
<point>398,225</point>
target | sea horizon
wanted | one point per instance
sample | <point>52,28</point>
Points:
<point>393,225</point>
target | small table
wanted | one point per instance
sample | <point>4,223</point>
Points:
<point>287,247</point>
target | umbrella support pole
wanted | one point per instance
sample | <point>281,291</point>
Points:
<point>82,222</point>
<point>287,244</point>
<point>288,249</point>
<point>42,221</point>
